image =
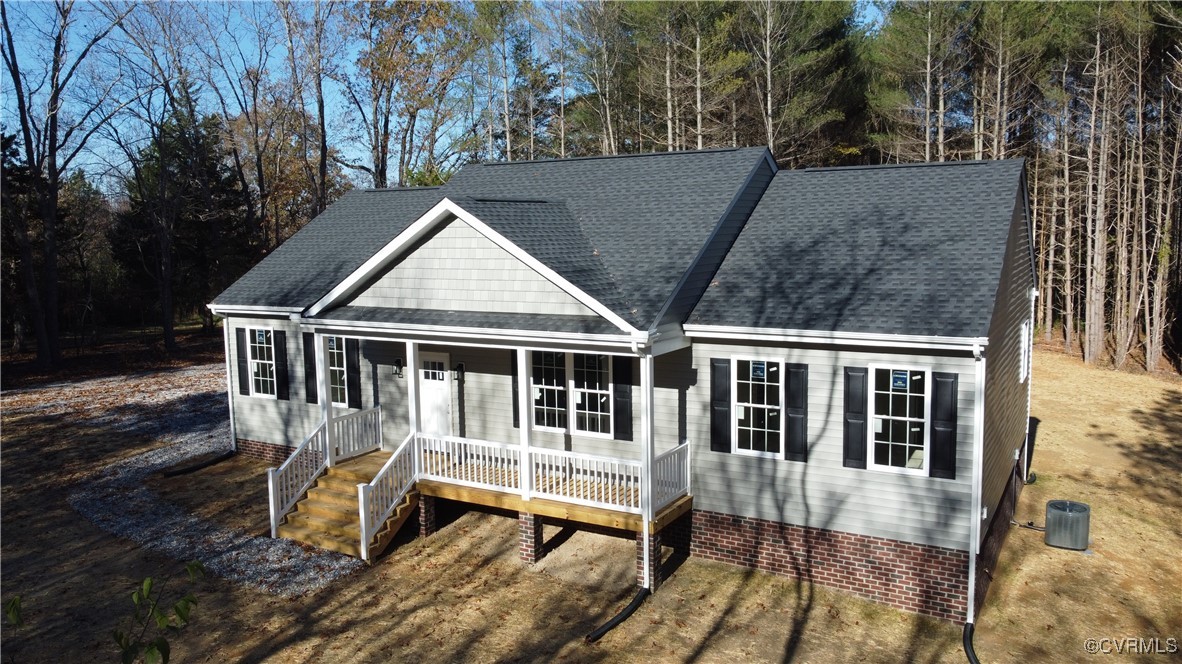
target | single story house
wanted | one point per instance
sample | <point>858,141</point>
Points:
<point>822,373</point>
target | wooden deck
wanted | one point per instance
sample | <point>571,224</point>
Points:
<point>371,463</point>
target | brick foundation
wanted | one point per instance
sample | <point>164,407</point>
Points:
<point>924,579</point>
<point>999,529</point>
<point>529,527</point>
<point>427,520</point>
<point>265,452</point>
<point>654,560</point>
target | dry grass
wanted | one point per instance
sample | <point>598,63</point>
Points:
<point>1109,439</point>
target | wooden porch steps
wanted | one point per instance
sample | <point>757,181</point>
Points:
<point>328,517</point>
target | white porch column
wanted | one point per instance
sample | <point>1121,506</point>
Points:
<point>412,385</point>
<point>325,398</point>
<point>525,419</point>
<point>647,442</point>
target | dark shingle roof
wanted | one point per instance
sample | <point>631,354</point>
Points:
<point>475,319</point>
<point>549,232</point>
<point>314,260</point>
<point>646,215</point>
<point>913,250</point>
<point>625,229</point>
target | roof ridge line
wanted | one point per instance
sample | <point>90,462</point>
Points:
<point>616,156</point>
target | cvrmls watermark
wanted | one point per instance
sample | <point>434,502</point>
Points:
<point>1131,646</point>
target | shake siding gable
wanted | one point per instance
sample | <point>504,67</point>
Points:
<point>823,493</point>
<point>1005,395</point>
<point>457,269</point>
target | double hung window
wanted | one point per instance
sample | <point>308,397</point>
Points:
<point>572,391</point>
<point>899,406</point>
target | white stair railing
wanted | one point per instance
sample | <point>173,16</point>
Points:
<point>357,433</point>
<point>586,479</point>
<point>377,500</point>
<point>671,473</point>
<point>291,480</point>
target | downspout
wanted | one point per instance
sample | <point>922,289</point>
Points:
<point>975,502</point>
<point>229,384</point>
<point>1029,386</point>
<point>646,427</point>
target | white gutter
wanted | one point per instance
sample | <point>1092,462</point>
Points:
<point>513,337</point>
<point>837,338</point>
<point>248,310</point>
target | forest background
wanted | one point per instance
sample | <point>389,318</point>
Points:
<point>153,152</point>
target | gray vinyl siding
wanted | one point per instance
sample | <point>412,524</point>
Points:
<point>288,422</point>
<point>458,269</point>
<point>1005,395</point>
<point>822,493</point>
<point>388,388</point>
<point>728,230</point>
<point>482,406</point>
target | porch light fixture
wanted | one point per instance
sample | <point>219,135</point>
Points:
<point>398,367</point>
<point>457,372</point>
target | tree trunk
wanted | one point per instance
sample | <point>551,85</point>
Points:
<point>669,87</point>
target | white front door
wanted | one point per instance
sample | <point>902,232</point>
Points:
<point>435,393</point>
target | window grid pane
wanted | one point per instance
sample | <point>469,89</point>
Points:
<point>262,362</point>
<point>336,371</point>
<point>549,382</point>
<point>592,393</point>
<point>757,394</point>
<point>899,417</point>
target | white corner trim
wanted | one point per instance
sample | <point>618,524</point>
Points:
<point>836,338</point>
<point>975,500</point>
<point>442,210</point>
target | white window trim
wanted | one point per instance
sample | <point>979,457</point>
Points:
<point>1026,341</point>
<point>340,342</point>
<point>735,449</point>
<point>922,471</point>
<point>250,362</point>
<point>571,415</point>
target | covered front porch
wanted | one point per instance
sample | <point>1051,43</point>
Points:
<point>533,471</point>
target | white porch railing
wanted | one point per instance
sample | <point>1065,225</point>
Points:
<point>377,499</point>
<point>589,480</point>
<point>289,481</point>
<point>470,462</point>
<point>671,475</point>
<point>583,479</point>
<point>357,433</point>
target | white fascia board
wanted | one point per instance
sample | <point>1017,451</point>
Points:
<point>837,338</point>
<point>475,334</point>
<point>420,227</point>
<point>384,255</point>
<point>249,310</point>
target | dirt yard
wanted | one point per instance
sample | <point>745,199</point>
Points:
<point>1112,440</point>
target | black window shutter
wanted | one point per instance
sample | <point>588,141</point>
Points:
<point>243,363</point>
<point>353,372</point>
<point>516,390</point>
<point>282,391</point>
<point>943,433</point>
<point>310,367</point>
<point>720,405</point>
<point>854,449</point>
<point>796,404</point>
<point>622,397</point>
